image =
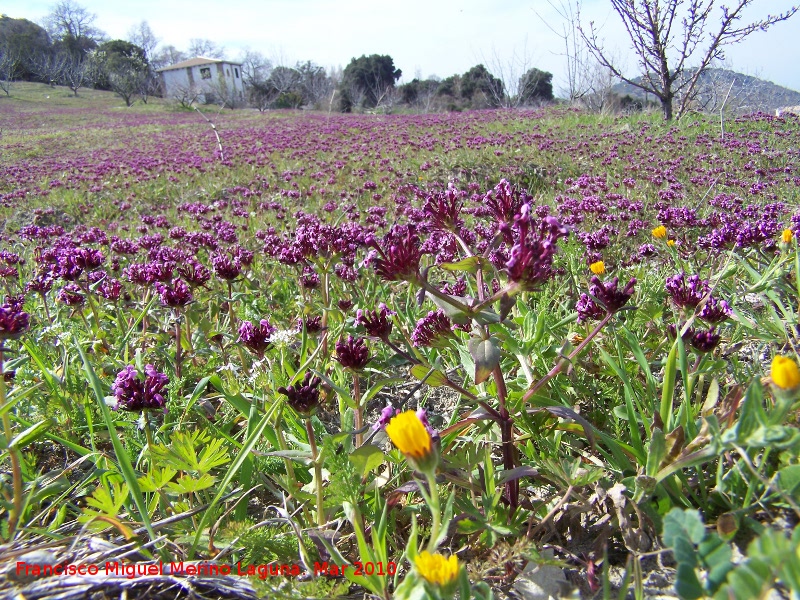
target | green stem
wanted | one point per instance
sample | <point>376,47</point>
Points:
<point>317,472</point>
<point>436,512</point>
<point>16,471</point>
<point>560,365</point>
<point>359,416</point>
<point>286,461</point>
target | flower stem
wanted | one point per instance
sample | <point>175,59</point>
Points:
<point>16,471</point>
<point>560,365</point>
<point>359,416</point>
<point>315,458</point>
<point>436,512</point>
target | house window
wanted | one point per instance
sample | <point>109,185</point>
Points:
<point>227,72</point>
<point>205,72</point>
<point>236,72</point>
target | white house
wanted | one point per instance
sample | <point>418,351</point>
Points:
<point>203,79</point>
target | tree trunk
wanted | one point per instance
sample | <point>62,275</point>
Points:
<point>666,106</point>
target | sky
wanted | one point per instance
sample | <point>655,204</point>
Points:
<point>424,37</point>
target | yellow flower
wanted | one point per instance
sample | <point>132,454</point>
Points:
<point>437,569</point>
<point>598,268</point>
<point>659,232</point>
<point>409,435</point>
<point>785,373</point>
<point>787,236</point>
<point>670,242</point>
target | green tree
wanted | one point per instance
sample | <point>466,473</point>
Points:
<point>24,40</point>
<point>535,86</point>
<point>367,80</point>
<point>123,69</point>
<point>480,88</point>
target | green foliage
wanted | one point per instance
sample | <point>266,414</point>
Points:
<point>365,81</point>
<point>770,559</point>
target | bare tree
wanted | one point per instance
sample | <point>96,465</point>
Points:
<point>597,85</point>
<point>76,71</point>
<point>661,29</point>
<point>579,67</point>
<point>141,35</point>
<point>510,72</point>
<point>168,55</point>
<point>206,48</point>
<point>9,63</point>
<point>68,19</point>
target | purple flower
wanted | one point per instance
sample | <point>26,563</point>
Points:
<point>311,324</point>
<point>608,295</point>
<point>175,295</point>
<point>352,353</point>
<point>531,258</point>
<point>704,341</point>
<point>13,320</point>
<point>687,292</point>
<point>225,267</point>
<point>70,295</point>
<point>397,256</point>
<point>715,311</point>
<point>110,289</point>
<point>387,414</point>
<point>256,337</point>
<point>303,397</point>
<point>194,272</point>
<point>133,394</point>
<point>376,322</point>
<point>434,329</point>
<point>442,210</point>
<point>588,309</point>
<point>309,279</point>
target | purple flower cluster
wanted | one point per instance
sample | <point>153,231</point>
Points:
<point>303,397</point>
<point>133,394</point>
<point>376,322</point>
<point>434,329</point>
<point>687,291</point>
<point>530,260</point>
<point>603,298</point>
<point>397,256</point>
<point>352,353</point>
<point>176,295</point>
<point>13,320</point>
<point>256,337</point>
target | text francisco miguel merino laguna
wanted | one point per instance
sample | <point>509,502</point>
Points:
<point>200,569</point>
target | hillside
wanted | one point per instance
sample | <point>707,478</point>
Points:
<point>747,93</point>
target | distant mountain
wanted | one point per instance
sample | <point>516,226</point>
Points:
<point>747,94</point>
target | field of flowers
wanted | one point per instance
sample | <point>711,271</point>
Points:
<point>413,356</point>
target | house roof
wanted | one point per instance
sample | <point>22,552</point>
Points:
<point>197,61</point>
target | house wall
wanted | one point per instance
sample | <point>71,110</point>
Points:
<point>178,82</point>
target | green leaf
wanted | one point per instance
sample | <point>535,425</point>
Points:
<point>188,484</point>
<point>32,433</point>
<point>432,377</point>
<point>486,357</point>
<point>685,524</point>
<point>470,265</point>
<point>366,458</point>
<point>789,480</point>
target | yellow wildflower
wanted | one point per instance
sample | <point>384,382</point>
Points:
<point>670,242</point>
<point>784,373</point>
<point>598,268</point>
<point>437,569</point>
<point>787,236</point>
<point>659,232</point>
<point>409,435</point>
